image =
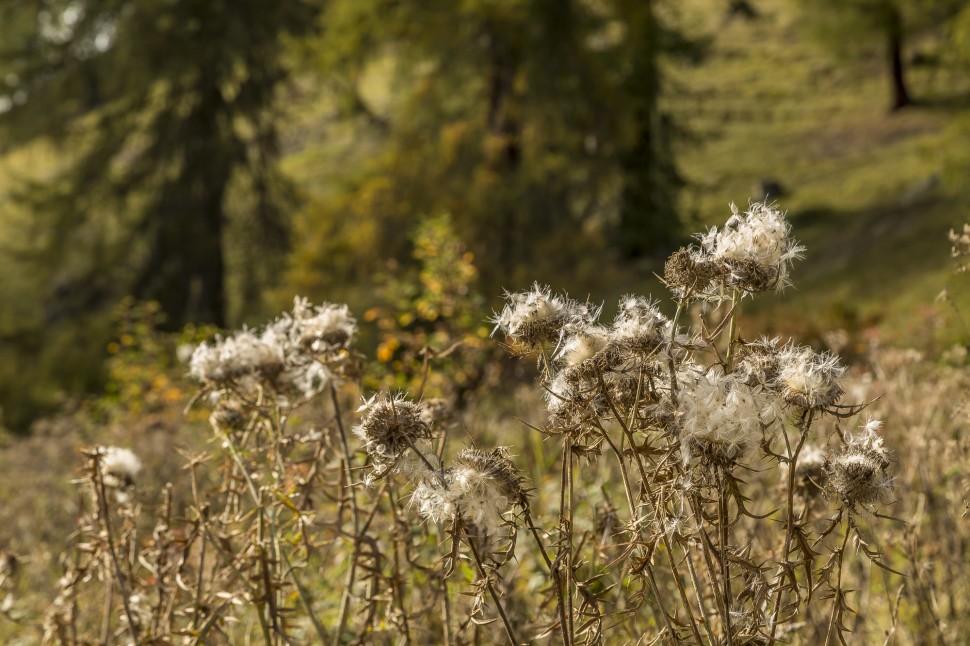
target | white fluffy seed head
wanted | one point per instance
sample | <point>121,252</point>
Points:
<point>754,247</point>
<point>389,426</point>
<point>859,474</point>
<point>721,412</point>
<point>484,486</point>
<point>809,379</point>
<point>299,354</point>
<point>322,327</point>
<point>119,467</point>
<point>539,316</point>
<point>639,325</point>
<point>582,343</point>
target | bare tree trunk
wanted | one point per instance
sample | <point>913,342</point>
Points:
<point>900,93</point>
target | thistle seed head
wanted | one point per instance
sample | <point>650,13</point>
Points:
<point>722,415</point>
<point>688,273</point>
<point>859,474</point>
<point>759,363</point>
<point>639,326</point>
<point>582,342</point>
<point>753,249</point>
<point>389,426</point>
<point>321,327</point>
<point>539,316</point>
<point>808,379</point>
<point>119,467</point>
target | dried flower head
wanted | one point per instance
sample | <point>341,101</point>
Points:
<point>119,467</point>
<point>720,414</point>
<point>241,355</point>
<point>434,497</point>
<point>860,473</point>
<point>582,342</point>
<point>492,470</point>
<point>389,426</point>
<point>809,379</point>
<point>759,363</point>
<point>639,326</point>
<point>753,249</point>
<point>483,486</point>
<point>539,316</point>
<point>297,354</point>
<point>573,398</point>
<point>322,327</point>
<point>689,272</point>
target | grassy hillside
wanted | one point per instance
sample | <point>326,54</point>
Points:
<point>871,193</point>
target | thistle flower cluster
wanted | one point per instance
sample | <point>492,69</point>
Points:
<point>859,474</point>
<point>483,486</point>
<point>601,367</point>
<point>539,316</point>
<point>801,376</point>
<point>300,354</point>
<point>752,253</point>
<point>640,366</point>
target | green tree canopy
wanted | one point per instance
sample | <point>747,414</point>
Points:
<point>535,123</point>
<point>162,105</point>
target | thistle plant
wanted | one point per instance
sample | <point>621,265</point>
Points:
<point>703,488</point>
<point>684,415</point>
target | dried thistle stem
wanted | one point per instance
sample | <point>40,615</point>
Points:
<point>101,496</point>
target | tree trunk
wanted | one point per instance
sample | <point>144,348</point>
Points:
<point>648,222</point>
<point>900,97</point>
<point>502,68</point>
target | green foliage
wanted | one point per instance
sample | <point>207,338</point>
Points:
<point>144,374</point>
<point>161,106</point>
<point>433,315</point>
<point>536,124</point>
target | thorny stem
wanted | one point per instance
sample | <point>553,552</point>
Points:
<point>202,513</point>
<point>804,425</point>
<point>695,581</point>
<point>109,591</point>
<point>733,328</point>
<point>722,552</point>
<point>106,523</point>
<point>837,596</point>
<point>556,577</point>
<point>666,541</point>
<point>305,600</point>
<point>670,351</point>
<point>398,591</point>
<point>566,526</point>
<point>488,584</point>
<point>445,599</point>
<point>346,460</point>
<point>260,601</point>
<point>709,560</point>
<point>645,483</point>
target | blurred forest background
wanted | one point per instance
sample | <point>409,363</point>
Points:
<point>414,159</point>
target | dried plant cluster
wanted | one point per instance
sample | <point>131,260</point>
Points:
<point>684,415</point>
<point>309,525</point>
